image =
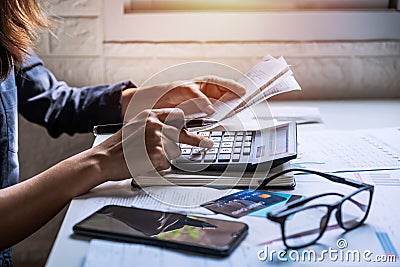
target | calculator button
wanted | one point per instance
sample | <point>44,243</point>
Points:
<point>240,133</point>
<point>216,139</point>
<point>185,146</point>
<point>216,133</point>
<point>244,159</point>
<point>237,150</point>
<point>248,138</point>
<point>236,157</point>
<point>186,151</point>
<point>229,134</point>
<point>195,159</point>
<point>189,158</point>
<point>210,158</point>
<point>198,150</point>
<point>225,151</point>
<point>228,139</point>
<point>247,144</point>
<point>249,133</point>
<point>238,144</point>
<point>239,138</point>
<point>216,145</point>
<point>246,151</point>
<point>224,158</point>
<point>205,134</point>
<point>227,144</point>
<point>212,151</point>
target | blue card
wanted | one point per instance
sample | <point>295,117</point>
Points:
<point>244,202</point>
<point>264,211</point>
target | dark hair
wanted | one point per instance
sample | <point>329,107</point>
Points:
<point>19,21</point>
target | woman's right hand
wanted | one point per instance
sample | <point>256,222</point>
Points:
<point>146,144</point>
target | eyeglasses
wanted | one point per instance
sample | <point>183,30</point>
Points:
<point>304,221</point>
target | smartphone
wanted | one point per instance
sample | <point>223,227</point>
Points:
<point>165,229</point>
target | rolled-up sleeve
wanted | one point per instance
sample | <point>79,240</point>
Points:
<point>44,100</point>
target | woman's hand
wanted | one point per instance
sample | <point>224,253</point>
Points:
<point>146,144</point>
<point>196,96</point>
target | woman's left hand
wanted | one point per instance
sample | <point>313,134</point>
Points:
<point>195,96</point>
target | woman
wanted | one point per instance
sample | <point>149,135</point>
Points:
<point>26,206</point>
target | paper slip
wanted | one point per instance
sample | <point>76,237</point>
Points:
<point>267,78</point>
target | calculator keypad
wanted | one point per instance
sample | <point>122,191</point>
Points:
<point>228,147</point>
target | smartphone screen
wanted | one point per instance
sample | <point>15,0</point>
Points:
<point>197,234</point>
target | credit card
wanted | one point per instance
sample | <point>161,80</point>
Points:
<point>244,202</point>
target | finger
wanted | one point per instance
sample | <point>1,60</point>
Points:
<point>195,140</point>
<point>212,91</point>
<point>228,96</point>
<point>190,107</point>
<point>197,98</point>
<point>170,116</point>
<point>229,84</point>
<point>171,133</point>
<point>158,158</point>
<point>218,93</point>
<point>171,149</point>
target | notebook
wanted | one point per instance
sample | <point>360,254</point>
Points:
<point>215,179</point>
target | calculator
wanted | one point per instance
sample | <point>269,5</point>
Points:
<point>241,150</point>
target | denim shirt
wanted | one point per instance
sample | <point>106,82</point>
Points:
<point>35,93</point>
<point>8,144</point>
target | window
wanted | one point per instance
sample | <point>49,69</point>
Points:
<point>140,6</point>
<point>250,20</point>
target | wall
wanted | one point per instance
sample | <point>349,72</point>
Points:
<point>76,53</point>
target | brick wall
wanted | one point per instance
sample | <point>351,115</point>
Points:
<point>77,54</point>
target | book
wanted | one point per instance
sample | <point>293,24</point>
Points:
<point>218,179</point>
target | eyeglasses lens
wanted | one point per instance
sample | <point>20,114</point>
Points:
<point>354,209</point>
<point>304,227</point>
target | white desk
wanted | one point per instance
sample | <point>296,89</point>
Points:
<point>69,251</point>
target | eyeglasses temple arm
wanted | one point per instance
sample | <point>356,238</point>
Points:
<point>330,177</point>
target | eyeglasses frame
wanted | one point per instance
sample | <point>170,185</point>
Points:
<point>280,215</point>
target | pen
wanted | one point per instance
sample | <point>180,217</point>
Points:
<point>113,128</point>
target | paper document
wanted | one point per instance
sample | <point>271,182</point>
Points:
<point>379,178</point>
<point>107,253</point>
<point>380,230</point>
<point>298,114</point>
<point>177,198</point>
<point>338,151</point>
<point>267,78</point>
